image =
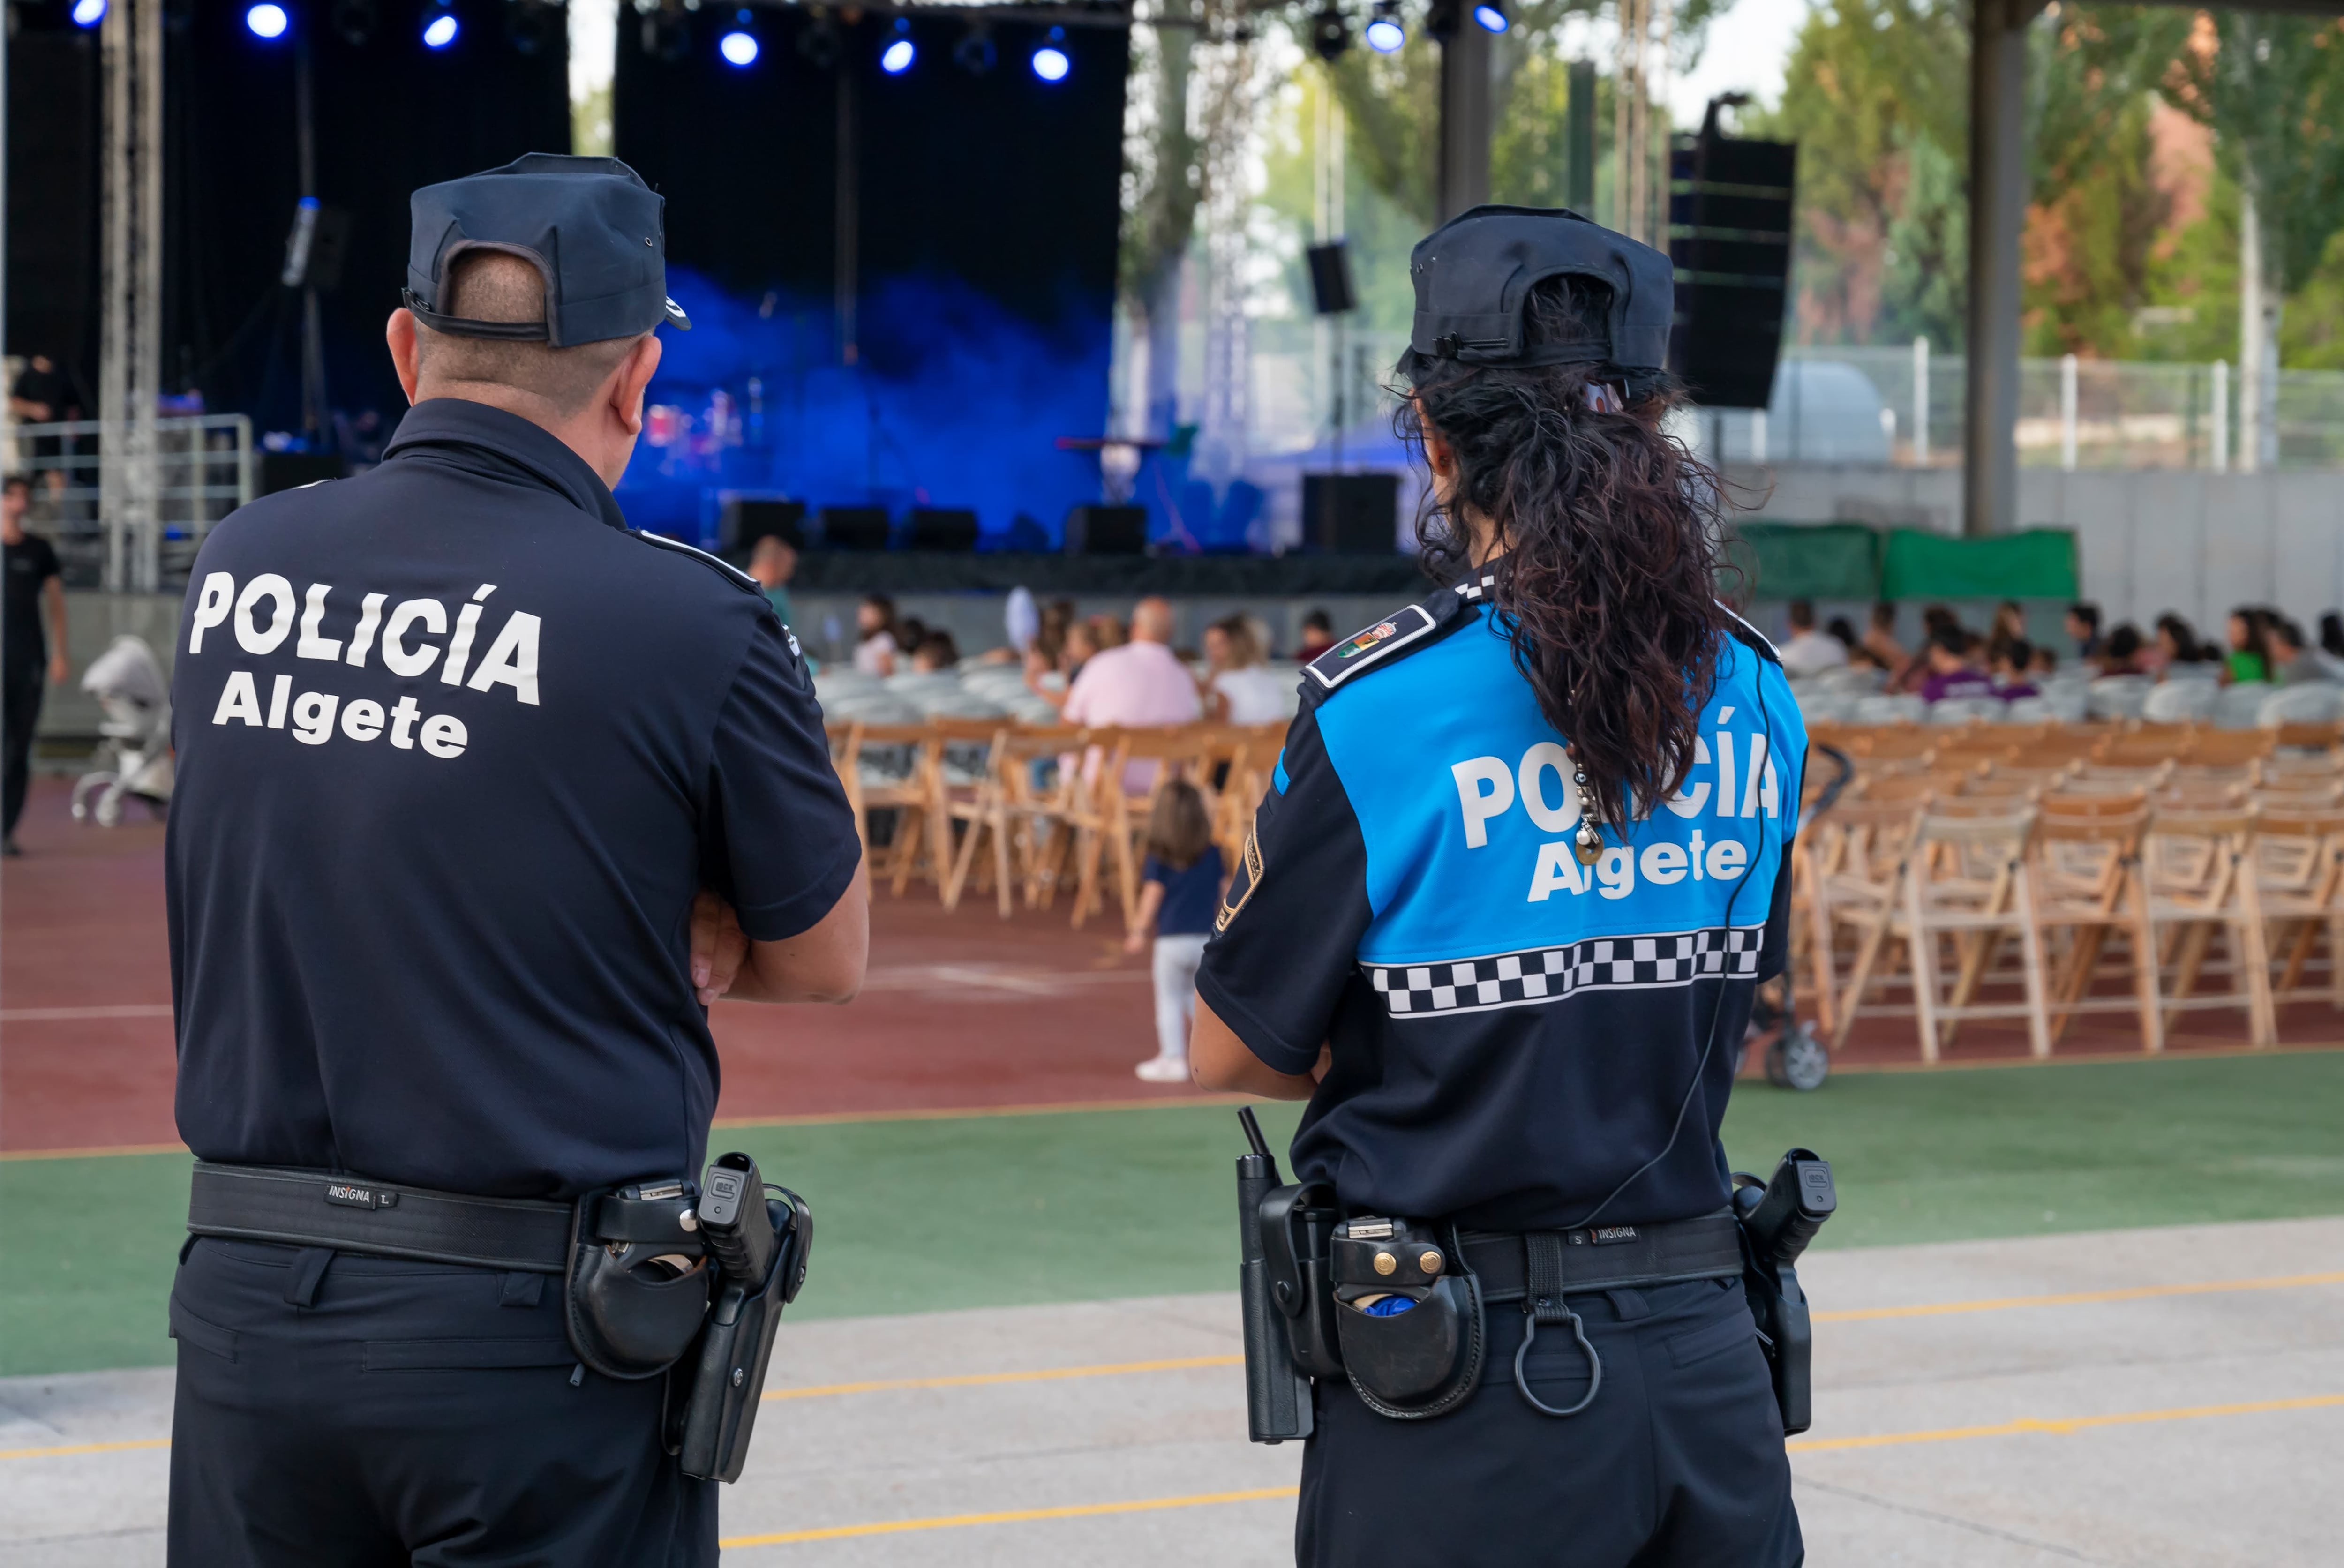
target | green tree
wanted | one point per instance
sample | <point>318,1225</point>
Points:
<point>1161,186</point>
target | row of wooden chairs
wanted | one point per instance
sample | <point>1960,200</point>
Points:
<point>1949,889</point>
<point>1028,812</point>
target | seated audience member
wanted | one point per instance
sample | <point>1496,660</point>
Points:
<point>1109,632</point>
<point>2044,665</point>
<point>2331,637</point>
<point>1937,621</point>
<point>2083,625</point>
<point>1843,628</point>
<point>875,643</point>
<point>1860,657</point>
<point>1809,651</point>
<point>1239,690</point>
<point>1317,636</point>
<point>2012,667</point>
<point>936,653</point>
<point>2009,626</point>
<point>1951,674</point>
<point>1140,684</point>
<point>2292,663</point>
<point>2249,656</point>
<point>1880,640</point>
<point>2177,643</point>
<point>2120,650</point>
<point>1077,651</point>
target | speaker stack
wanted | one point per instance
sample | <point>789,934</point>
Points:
<point>1730,205</point>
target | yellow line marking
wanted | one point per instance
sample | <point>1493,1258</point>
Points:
<point>2065,1425</point>
<point>2079,1298</point>
<point>123,1447</point>
<point>979,1379</point>
<point>1018,1516</point>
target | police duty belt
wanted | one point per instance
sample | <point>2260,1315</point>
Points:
<point>353,1214</point>
<point>1603,1256</point>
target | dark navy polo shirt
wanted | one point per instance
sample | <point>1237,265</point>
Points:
<point>456,750</point>
<point>1513,1033</point>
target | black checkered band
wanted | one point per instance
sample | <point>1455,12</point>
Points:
<point>1552,973</point>
<point>1469,591</point>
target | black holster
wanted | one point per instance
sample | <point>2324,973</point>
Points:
<point>709,1427</point>
<point>1778,1219</point>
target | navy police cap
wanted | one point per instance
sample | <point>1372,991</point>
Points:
<point>1474,274</point>
<point>590,225</point>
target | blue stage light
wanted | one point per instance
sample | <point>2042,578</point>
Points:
<point>439,32</point>
<point>1491,16</point>
<point>88,13</point>
<point>266,21</point>
<point>1050,62</point>
<point>1385,35</point>
<point>738,48</point>
<point>897,56</point>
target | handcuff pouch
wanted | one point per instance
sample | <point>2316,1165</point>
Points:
<point>1407,1363</point>
<point>636,1287</point>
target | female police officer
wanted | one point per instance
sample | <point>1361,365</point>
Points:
<point>1524,860</point>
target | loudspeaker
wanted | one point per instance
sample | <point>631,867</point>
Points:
<point>292,470</point>
<point>1330,279</point>
<point>746,519</point>
<point>855,528</point>
<point>1095,530</point>
<point>1352,513</point>
<point>314,246</point>
<point>944,528</point>
<point>1730,206</point>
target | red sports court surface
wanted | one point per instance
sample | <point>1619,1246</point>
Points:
<point>961,1012</point>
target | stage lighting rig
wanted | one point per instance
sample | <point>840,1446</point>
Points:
<point>1330,34</point>
<point>975,52</point>
<point>1491,15</point>
<point>896,57</point>
<point>88,13</point>
<point>818,42</point>
<point>354,21</point>
<point>739,44</point>
<point>666,32</point>
<point>1384,33</point>
<point>266,20</point>
<point>440,25</point>
<point>1050,61</point>
<point>532,24</point>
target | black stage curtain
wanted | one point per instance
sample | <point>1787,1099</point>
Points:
<point>54,149</point>
<point>1001,180</point>
<point>391,115</point>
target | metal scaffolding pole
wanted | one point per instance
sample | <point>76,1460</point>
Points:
<point>1997,219</point>
<point>1465,118</point>
<point>130,334</point>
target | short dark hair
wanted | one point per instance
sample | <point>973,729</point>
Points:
<point>2288,632</point>
<point>1884,616</point>
<point>1844,629</point>
<point>2019,652</point>
<point>23,481</point>
<point>2088,613</point>
<point>1317,620</point>
<point>1951,638</point>
<point>1803,615</point>
<point>498,286</point>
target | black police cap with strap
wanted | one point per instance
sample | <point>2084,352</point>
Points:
<point>1474,274</point>
<point>590,225</point>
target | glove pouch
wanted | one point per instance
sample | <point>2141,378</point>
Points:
<point>1422,1361</point>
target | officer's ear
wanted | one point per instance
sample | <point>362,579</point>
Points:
<point>1437,453</point>
<point>405,353</point>
<point>632,380</point>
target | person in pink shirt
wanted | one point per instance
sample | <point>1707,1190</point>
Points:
<point>1141,684</point>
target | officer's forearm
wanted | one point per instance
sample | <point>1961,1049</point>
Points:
<point>824,963</point>
<point>1219,1060</point>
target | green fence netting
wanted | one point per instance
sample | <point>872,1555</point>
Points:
<point>1851,560</point>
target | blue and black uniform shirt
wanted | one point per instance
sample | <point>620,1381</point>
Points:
<point>456,752</point>
<point>1512,1032</point>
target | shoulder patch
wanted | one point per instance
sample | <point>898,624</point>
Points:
<point>725,569</point>
<point>1367,648</point>
<point>1750,636</point>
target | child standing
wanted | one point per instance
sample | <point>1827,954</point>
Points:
<point>1180,892</point>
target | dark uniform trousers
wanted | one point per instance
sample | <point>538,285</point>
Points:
<point>367,1412</point>
<point>1679,1462</point>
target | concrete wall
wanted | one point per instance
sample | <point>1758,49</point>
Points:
<point>2148,540</point>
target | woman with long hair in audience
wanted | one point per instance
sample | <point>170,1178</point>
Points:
<point>2250,658</point>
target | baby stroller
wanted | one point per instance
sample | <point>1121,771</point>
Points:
<point>127,681</point>
<point>1795,1059</point>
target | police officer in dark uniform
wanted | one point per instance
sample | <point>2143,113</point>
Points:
<point>1524,860</point>
<point>460,756</point>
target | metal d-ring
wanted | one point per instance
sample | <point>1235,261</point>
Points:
<point>1594,1365</point>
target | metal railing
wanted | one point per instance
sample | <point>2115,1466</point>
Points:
<point>203,471</point>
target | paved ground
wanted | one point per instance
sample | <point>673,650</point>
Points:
<point>2177,1400</point>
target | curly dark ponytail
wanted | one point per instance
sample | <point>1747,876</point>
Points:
<point>1609,534</point>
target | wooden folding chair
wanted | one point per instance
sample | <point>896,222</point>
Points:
<point>2197,867</point>
<point>1860,869</point>
<point>883,767</point>
<point>2230,748</point>
<point>1967,879</point>
<point>2298,872</point>
<point>2087,887</point>
<point>1119,809</point>
<point>961,780</point>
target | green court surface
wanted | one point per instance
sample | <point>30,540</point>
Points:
<point>1007,1209</point>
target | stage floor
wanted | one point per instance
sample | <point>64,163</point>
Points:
<point>961,1011</point>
